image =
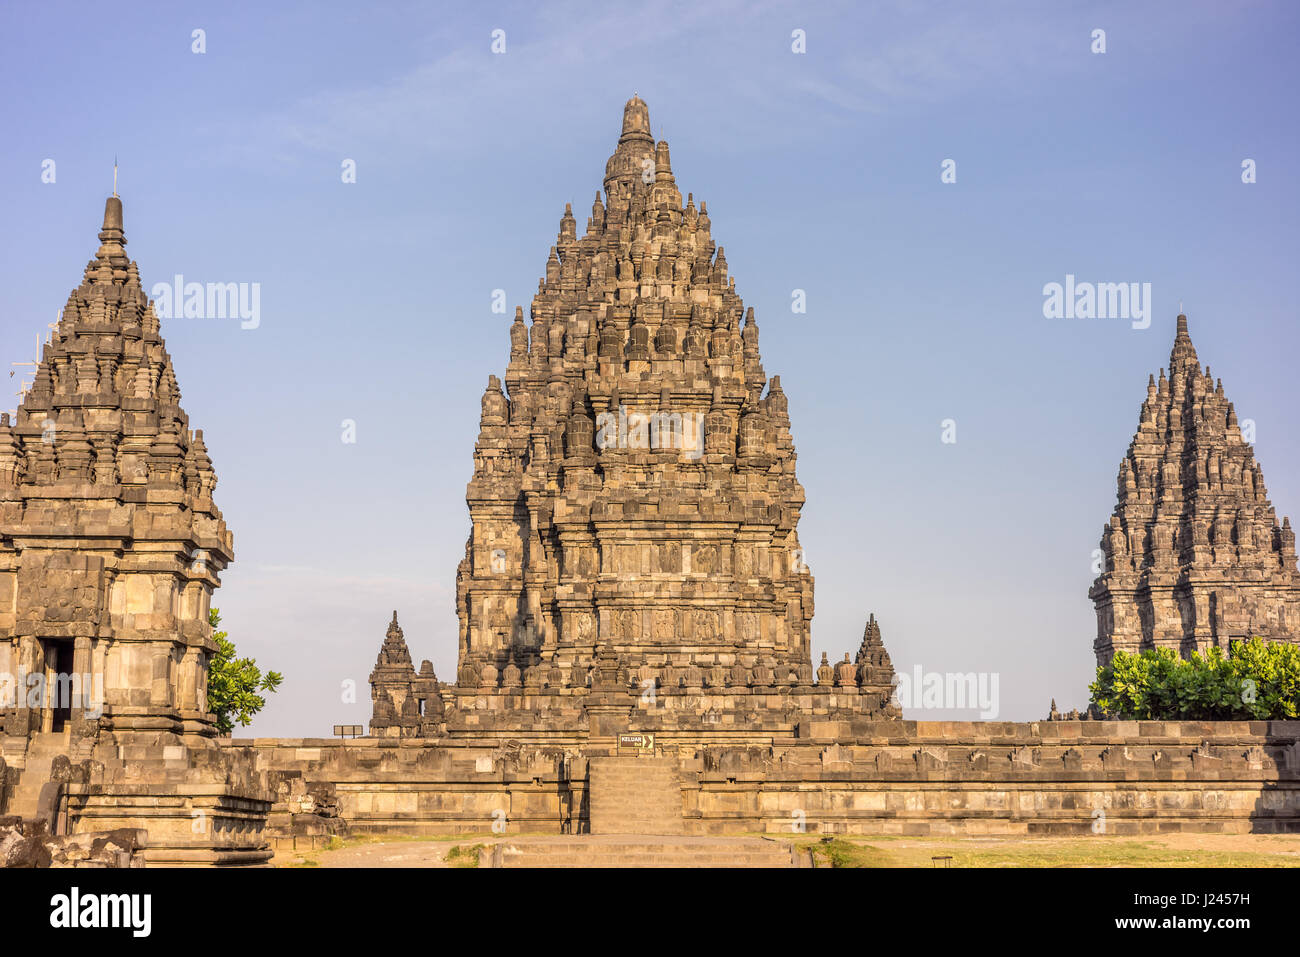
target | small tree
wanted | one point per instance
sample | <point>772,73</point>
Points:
<point>234,683</point>
<point>1258,681</point>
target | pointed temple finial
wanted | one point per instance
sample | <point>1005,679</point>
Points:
<point>664,164</point>
<point>113,216</point>
<point>1183,356</point>
<point>114,175</point>
<point>636,120</point>
<point>627,165</point>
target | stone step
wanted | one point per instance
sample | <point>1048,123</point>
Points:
<point>552,856</point>
<point>634,767</point>
<point>632,817</point>
<point>676,861</point>
<point>633,794</point>
<point>594,851</point>
<point>667,796</point>
<point>27,794</point>
<point>637,808</point>
<point>524,858</point>
<point>614,823</point>
<point>596,846</point>
<point>49,743</point>
<point>644,825</point>
<point>643,786</point>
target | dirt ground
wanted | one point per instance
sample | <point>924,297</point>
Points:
<point>1171,850</point>
<point>392,853</point>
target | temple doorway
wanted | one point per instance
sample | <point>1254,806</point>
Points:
<point>58,683</point>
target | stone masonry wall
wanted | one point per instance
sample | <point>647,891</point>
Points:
<point>889,777</point>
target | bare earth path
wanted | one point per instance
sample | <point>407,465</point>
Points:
<point>1172,850</point>
<point>387,854</point>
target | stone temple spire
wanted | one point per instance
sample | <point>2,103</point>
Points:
<point>634,502</point>
<point>109,536</point>
<point>1194,554</point>
<point>394,652</point>
<point>404,703</point>
<point>874,668</point>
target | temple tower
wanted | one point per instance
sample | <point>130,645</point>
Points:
<point>403,703</point>
<point>634,497</point>
<point>1194,555</point>
<point>110,542</point>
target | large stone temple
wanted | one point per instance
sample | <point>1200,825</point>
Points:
<point>634,503</point>
<point>1194,555</point>
<point>110,548</point>
<point>110,542</point>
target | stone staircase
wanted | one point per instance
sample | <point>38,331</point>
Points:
<point>651,851</point>
<point>635,795</point>
<point>41,752</point>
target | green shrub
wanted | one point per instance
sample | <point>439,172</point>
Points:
<point>463,856</point>
<point>237,688</point>
<point>1257,681</point>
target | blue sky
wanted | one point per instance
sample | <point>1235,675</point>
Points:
<point>822,173</point>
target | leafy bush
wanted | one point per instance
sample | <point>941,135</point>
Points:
<point>1257,681</point>
<point>234,683</point>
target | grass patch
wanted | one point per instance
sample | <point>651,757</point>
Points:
<point>464,855</point>
<point>1157,851</point>
<point>840,852</point>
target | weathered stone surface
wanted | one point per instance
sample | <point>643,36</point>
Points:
<point>110,542</point>
<point>110,548</point>
<point>634,557</point>
<point>887,777</point>
<point>29,844</point>
<point>403,702</point>
<point>1194,554</point>
<point>18,849</point>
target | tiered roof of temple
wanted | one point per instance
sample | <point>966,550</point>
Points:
<point>1194,554</point>
<point>634,492</point>
<point>404,703</point>
<point>110,542</point>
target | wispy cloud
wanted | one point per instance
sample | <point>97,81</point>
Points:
<point>328,583</point>
<point>467,99</point>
